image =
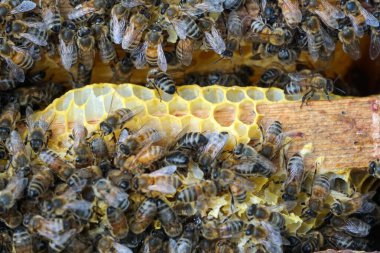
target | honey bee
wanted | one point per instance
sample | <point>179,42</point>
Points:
<point>314,241</point>
<point>161,180</point>
<point>212,230</point>
<point>15,7</point>
<point>82,12</point>
<point>87,174</point>
<point>160,81</point>
<point>7,83</point>
<point>350,42</point>
<point>101,153</point>
<point>61,168</point>
<point>169,220</point>
<point>272,140</point>
<point>134,30</point>
<point>107,244</point>
<point>133,143</point>
<point>374,47</point>
<point>120,179</point>
<point>8,119</point>
<point>119,14</point>
<point>177,158</point>
<point>117,223</point>
<point>83,76</point>
<point>59,242</point>
<point>38,130</point>
<point>67,45</point>
<point>271,215</point>
<point>374,169</point>
<point>184,51</point>
<point>122,70</point>
<point>20,157</point>
<point>12,218</point>
<point>86,47</point>
<point>12,192</point>
<point>296,174</point>
<point>205,189</point>
<point>359,17</point>
<point>317,37</point>
<point>107,51</point>
<point>234,31</point>
<point>34,96</point>
<point>319,192</point>
<point>291,11</point>
<point>22,241</point>
<point>327,12</point>
<point>82,150</point>
<point>51,15</point>
<point>188,239</point>
<point>213,148</point>
<point>266,235</point>
<point>192,140</point>
<point>112,195</point>
<point>356,204</point>
<point>287,56</point>
<point>144,216</point>
<point>217,43</point>
<point>270,76</point>
<point>32,31</point>
<point>117,118</point>
<point>40,183</point>
<point>351,226</point>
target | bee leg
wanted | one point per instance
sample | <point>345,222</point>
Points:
<point>26,140</point>
<point>307,97</point>
<point>68,152</point>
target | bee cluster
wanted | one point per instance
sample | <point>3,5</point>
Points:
<point>137,190</point>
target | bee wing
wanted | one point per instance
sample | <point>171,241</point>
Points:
<point>165,171</point>
<point>15,71</point>
<point>80,11</point>
<point>369,18</point>
<point>124,133</point>
<point>210,6</point>
<point>68,54</point>
<point>39,25</point>
<point>132,3</point>
<point>161,58</point>
<point>328,41</point>
<point>366,207</point>
<point>138,56</point>
<point>374,46</point>
<point>297,76</point>
<point>134,111</point>
<point>78,205</point>
<point>119,195</point>
<point>352,49</point>
<point>359,30</point>
<point>29,117</point>
<point>128,36</point>
<point>117,29</point>
<point>17,186</point>
<point>47,16</point>
<point>164,188</point>
<point>294,9</point>
<point>187,51</point>
<point>215,40</point>
<point>295,173</point>
<point>120,248</point>
<point>333,11</point>
<point>16,142</point>
<point>355,225</point>
<point>180,28</point>
<point>327,19</point>
<point>24,6</point>
<point>311,47</point>
<point>273,232</point>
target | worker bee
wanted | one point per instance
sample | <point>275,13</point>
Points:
<point>62,169</point>
<point>374,168</point>
<point>134,31</point>
<point>272,140</point>
<point>270,214</point>
<point>161,180</point>
<point>359,17</point>
<point>12,192</point>
<point>160,81</point>
<point>107,51</point>
<point>270,76</point>
<point>184,51</point>
<point>291,11</point>
<point>266,235</point>
<point>287,56</point>
<point>356,204</point>
<point>67,45</point>
<point>327,12</point>
<point>317,37</point>
<point>20,157</point>
<point>86,47</point>
<point>350,42</point>
<point>8,120</point>
<point>343,241</point>
<point>119,14</point>
<point>34,32</point>
<point>144,216</point>
<point>112,195</point>
<point>213,148</point>
<point>82,12</point>
<point>82,150</point>
<point>296,172</point>
<point>178,158</point>
<point>352,226</point>
<point>319,192</point>
<point>252,165</point>
<point>202,190</point>
<point>38,130</point>
<point>108,244</point>
<point>117,222</point>
<point>15,7</point>
<point>83,76</point>
<point>87,174</point>
<point>217,43</point>
<point>212,230</point>
<point>313,242</point>
<point>169,220</point>
<point>133,143</point>
<point>22,241</point>
<point>40,183</point>
<point>120,179</point>
<point>117,118</point>
<point>101,153</point>
<point>187,241</point>
<point>234,31</point>
<point>51,15</point>
<point>192,140</point>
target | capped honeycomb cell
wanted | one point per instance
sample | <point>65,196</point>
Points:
<point>188,92</point>
<point>213,94</point>
<point>274,95</point>
<point>65,102</point>
<point>81,96</point>
<point>256,93</point>
<point>178,107</point>
<point>101,90</point>
<point>235,95</point>
<point>156,108</point>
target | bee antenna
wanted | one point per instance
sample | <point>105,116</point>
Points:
<point>221,58</point>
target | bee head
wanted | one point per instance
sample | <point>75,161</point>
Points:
<point>351,6</point>
<point>105,128</point>
<point>372,168</point>
<point>336,208</point>
<point>36,145</point>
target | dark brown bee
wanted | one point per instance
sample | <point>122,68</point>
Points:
<point>169,220</point>
<point>8,120</point>
<point>144,216</point>
<point>38,131</point>
<point>117,222</point>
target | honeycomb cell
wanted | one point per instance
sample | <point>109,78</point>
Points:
<point>340,185</point>
<point>81,96</point>
<point>164,96</point>
<point>247,112</point>
<point>101,90</point>
<point>65,102</point>
<point>255,94</point>
<point>191,123</point>
<point>213,95</point>
<point>111,102</point>
<point>240,129</point>
<point>200,108</point>
<point>295,97</point>
<point>225,114</point>
<point>143,93</point>
<point>274,95</point>
<point>209,125</point>
<point>156,108</point>
<point>189,92</point>
<point>254,132</point>
<point>235,95</point>
<point>75,115</point>
<point>178,107</point>
<point>124,90</point>
<point>171,126</point>
<point>92,111</point>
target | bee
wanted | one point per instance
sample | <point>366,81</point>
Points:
<point>326,12</point>
<point>271,215</point>
<point>169,220</point>
<point>107,51</point>
<point>237,184</point>
<point>67,45</point>
<point>117,118</point>
<point>59,242</point>
<point>83,76</point>
<point>243,150</point>
<point>374,168</point>
<point>112,195</point>
<point>177,158</point>
<point>296,174</point>
<point>34,96</point>
<point>144,216</point>
<point>351,226</point>
<point>192,140</point>
<point>317,37</point>
<point>154,242</point>
<point>119,15</point>
<point>374,46</point>
<point>82,150</point>
<point>269,77</point>
<point>32,31</point>
<point>86,47</point>
<point>287,56</point>
<point>350,42</point>
<point>8,119</point>
<point>314,241</point>
<point>82,12</point>
<point>291,11</point>
<point>134,30</point>
<point>20,157</point>
<point>15,7</point>
<point>122,70</point>
<point>87,174</point>
<point>343,241</point>
<point>22,241</point>
<point>108,244</point>
<point>224,79</point>
<point>188,239</point>
<point>272,140</point>
<point>160,81</point>
<point>217,43</point>
<point>40,183</point>
<point>266,235</point>
<point>212,230</point>
<point>51,15</point>
<point>161,180</point>
<point>12,218</point>
<point>12,192</point>
<point>234,31</point>
<point>117,223</point>
<point>356,204</point>
<point>38,130</point>
<point>359,17</point>
<point>120,179</point>
<point>101,153</point>
<point>252,165</point>
<point>133,143</point>
<point>232,4</point>
<point>205,189</point>
<point>184,51</point>
<point>213,148</point>
<point>60,167</point>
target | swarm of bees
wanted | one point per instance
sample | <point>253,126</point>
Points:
<point>119,189</point>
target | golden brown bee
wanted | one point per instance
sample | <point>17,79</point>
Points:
<point>87,174</point>
<point>291,11</point>
<point>120,179</point>
<point>212,230</point>
<point>350,42</point>
<point>82,12</point>
<point>292,185</point>
<point>319,192</point>
<point>313,242</point>
<point>205,189</point>
<point>86,47</point>
<point>343,241</point>
<point>144,216</point>
<point>106,49</point>
<point>82,151</point>
<point>22,241</point>
<point>178,158</point>
<point>117,222</point>
<point>272,140</point>
<point>184,51</point>
<point>135,29</point>
<point>352,226</point>
<point>119,15</point>
<point>112,195</point>
<point>213,148</point>
<point>356,204</point>
<point>107,244</point>
<point>101,153</point>
<point>12,192</point>
<point>117,118</point>
<point>40,182</point>
<point>327,12</point>
<point>160,81</point>
<point>38,131</point>
<point>269,214</point>
<point>8,120</point>
<point>169,220</point>
<point>237,184</point>
<point>234,31</point>
<point>62,169</point>
<point>67,45</point>
<point>51,15</point>
<point>32,31</point>
<point>133,143</point>
<point>144,159</point>
<point>161,180</point>
<point>20,156</point>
